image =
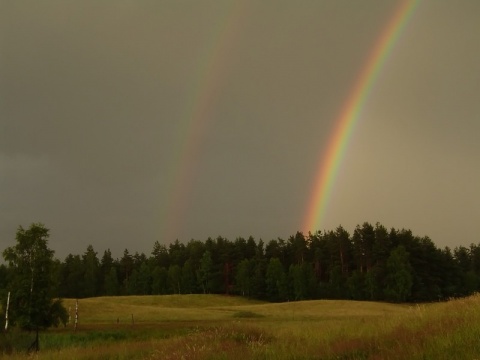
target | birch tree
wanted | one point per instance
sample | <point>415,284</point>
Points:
<point>32,287</point>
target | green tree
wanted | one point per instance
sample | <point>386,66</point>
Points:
<point>159,280</point>
<point>297,249</point>
<point>356,285</point>
<point>106,264</point>
<point>336,284</point>
<point>382,246</point>
<point>32,285</point>
<point>399,275</point>
<point>259,267</point>
<point>133,283</point>
<point>144,279</point>
<point>450,274</point>
<point>195,250</point>
<point>189,280</point>
<point>177,254</point>
<point>3,289</point>
<point>243,277</point>
<point>73,270</point>
<point>111,285</point>
<point>373,285</point>
<point>3,278</point>
<point>175,278</point>
<point>363,242</point>
<point>91,275</point>
<point>302,281</point>
<point>205,272</point>
<point>160,254</point>
<point>276,281</point>
<point>466,283</point>
<point>125,269</point>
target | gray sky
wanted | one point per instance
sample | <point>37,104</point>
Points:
<point>127,122</point>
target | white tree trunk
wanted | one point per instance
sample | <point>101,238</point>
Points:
<point>6,311</point>
<point>76,314</point>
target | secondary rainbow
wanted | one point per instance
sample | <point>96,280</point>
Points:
<point>212,66</point>
<point>350,114</point>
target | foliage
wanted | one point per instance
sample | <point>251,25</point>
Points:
<point>30,261</point>
<point>205,272</point>
<point>322,265</point>
<point>276,281</point>
<point>399,275</point>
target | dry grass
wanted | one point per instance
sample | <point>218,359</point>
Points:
<point>155,308</point>
<point>218,327</point>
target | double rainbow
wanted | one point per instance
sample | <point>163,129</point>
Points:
<point>350,114</point>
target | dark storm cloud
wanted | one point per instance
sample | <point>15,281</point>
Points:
<point>95,96</point>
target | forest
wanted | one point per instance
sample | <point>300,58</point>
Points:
<point>372,263</point>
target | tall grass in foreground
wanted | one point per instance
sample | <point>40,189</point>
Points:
<point>247,330</point>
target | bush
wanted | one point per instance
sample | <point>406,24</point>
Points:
<point>15,341</point>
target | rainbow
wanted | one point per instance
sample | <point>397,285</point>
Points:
<point>350,114</point>
<point>211,67</point>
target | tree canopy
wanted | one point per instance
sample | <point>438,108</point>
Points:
<point>372,263</point>
<point>32,282</point>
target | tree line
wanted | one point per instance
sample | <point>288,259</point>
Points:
<point>372,263</point>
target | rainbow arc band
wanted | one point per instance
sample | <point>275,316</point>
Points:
<point>350,113</point>
<point>213,66</point>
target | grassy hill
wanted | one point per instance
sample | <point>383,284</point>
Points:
<point>222,327</point>
<point>154,309</point>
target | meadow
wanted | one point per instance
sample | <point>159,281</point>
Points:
<point>227,327</point>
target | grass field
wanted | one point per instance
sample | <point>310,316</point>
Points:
<point>222,327</point>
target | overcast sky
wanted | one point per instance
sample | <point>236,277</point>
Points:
<point>127,122</point>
